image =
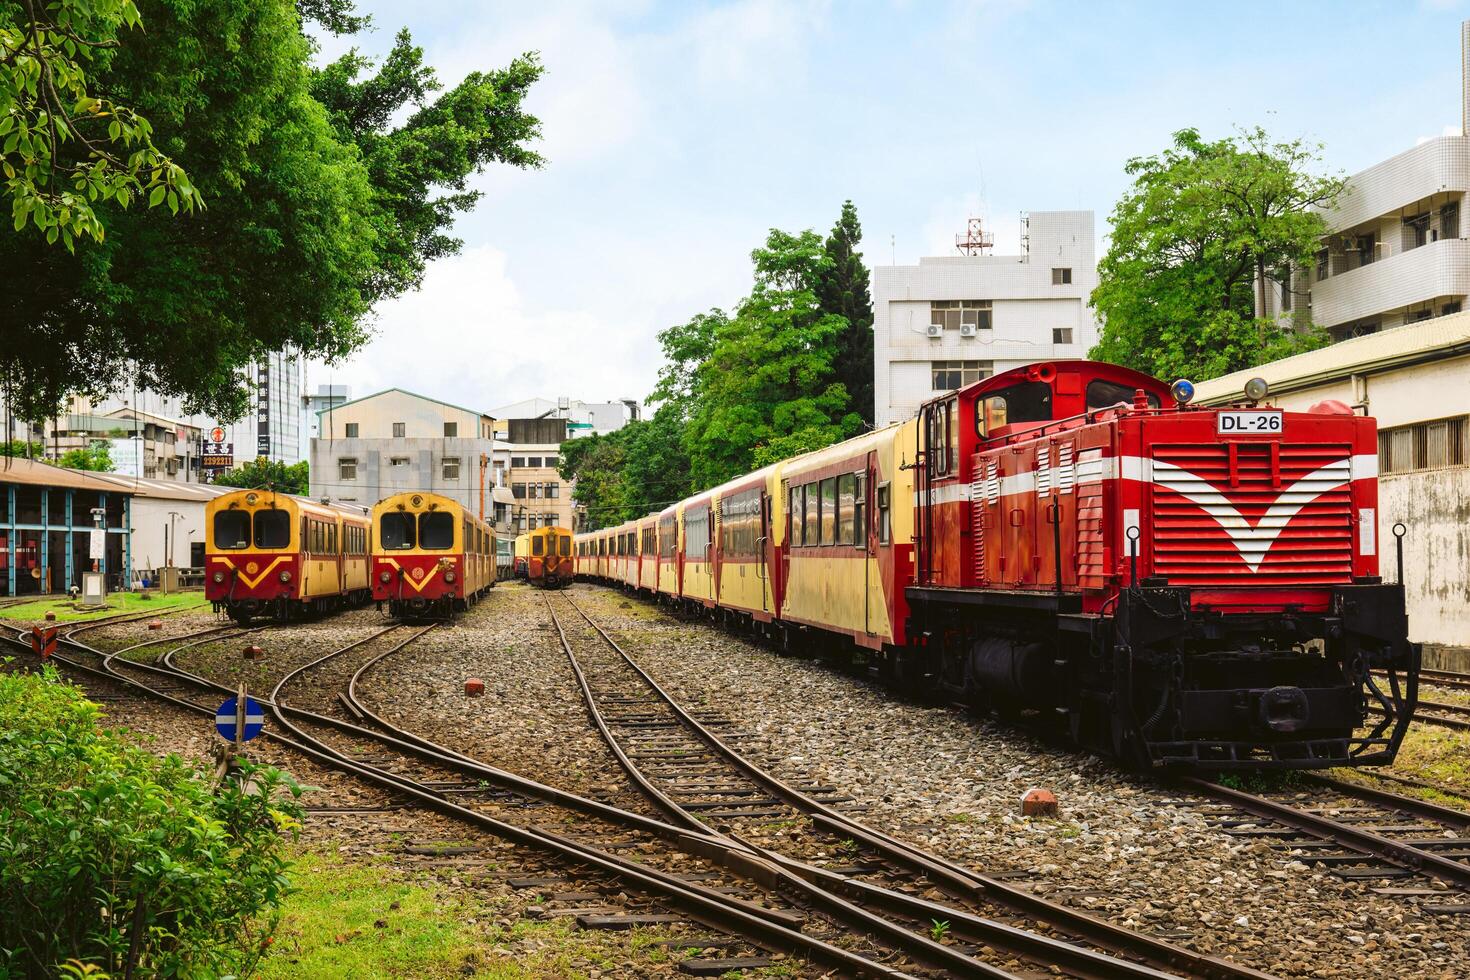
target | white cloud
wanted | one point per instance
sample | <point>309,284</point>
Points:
<point>750,43</point>
<point>1446,130</point>
<point>467,337</point>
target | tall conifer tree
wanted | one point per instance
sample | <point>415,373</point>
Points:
<point>843,290</point>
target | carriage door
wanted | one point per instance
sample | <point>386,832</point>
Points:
<point>763,552</point>
<point>867,531</point>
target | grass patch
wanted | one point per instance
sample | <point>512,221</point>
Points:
<point>368,921</point>
<point>117,602</point>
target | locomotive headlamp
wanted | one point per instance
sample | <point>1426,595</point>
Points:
<point>449,576</point>
<point>219,577</point>
<point>385,576</point>
<point>1183,391</point>
<point>1256,389</point>
<point>416,500</point>
<point>285,575</point>
<point>251,498</point>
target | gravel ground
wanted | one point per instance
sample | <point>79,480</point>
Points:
<point>358,822</point>
<point>1121,848</point>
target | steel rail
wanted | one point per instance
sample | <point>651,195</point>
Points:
<point>701,904</point>
<point>1461,723</point>
<point>1383,797</point>
<point>903,937</point>
<point>1392,777</point>
<point>1365,842</point>
<point>957,880</point>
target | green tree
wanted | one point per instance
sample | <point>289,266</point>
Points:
<point>68,145</point>
<point>843,290</point>
<point>767,388</point>
<point>96,457</point>
<point>21,449</point>
<point>319,206</point>
<point>262,473</point>
<point>638,470</point>
<point>1196,241</point>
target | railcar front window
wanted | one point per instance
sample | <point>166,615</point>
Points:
<point>398,532</point>
<point>564,546</point>
<point>436,531</point>
<point>231,530</point>
<point>272,529</point>
<point>536,548</point>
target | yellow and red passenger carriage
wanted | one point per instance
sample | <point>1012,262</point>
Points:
<point>431,555</point>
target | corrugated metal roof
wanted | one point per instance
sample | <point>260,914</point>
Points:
<point>1444,336</point>
<point>33,472</point>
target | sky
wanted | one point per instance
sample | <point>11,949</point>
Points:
<point>677,134</point>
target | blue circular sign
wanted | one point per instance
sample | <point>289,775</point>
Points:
<point>224,720</point>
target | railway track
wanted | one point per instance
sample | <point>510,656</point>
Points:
<point>685,764</point>
<point>1358,832</point>
<point>387,760</point>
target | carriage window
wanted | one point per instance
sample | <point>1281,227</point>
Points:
<point>231,530</point>
<point>793,516</point>
<point>809,520</point>
<point>564,546</point>
<point>883,516</point>
<point>536,547</point>
<point>272,528</point>
<point>1106,394</point>
<point>829,511</point>
<point>846,502</point>
<point>860,510</point>
<point>397,532</point>
<point>1029,401</point>
<point>951,426</point>
<point>436,531</point>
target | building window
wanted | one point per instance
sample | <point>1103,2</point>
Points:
<point>953,313</point>
<point>351,430</point>
<point>535,491</point>
<point>553,490</point>
<point>398,461</point>
<point>1322,264</point>
<point>451,430</point>
<point>400,429</point>
<point>950,375</point>
<point>1061,335</point>
<point>1424,445</point>
<point>516,462</point>
<point>518,490</point>
<point>1449,220</point>
<point>451,467</point>
<point>533,462</point>
<point>1416,231</point>
<point>347,468</point>
<point>1368,245</point>
<point>1286,297</point>
<point>1450,308</point>
<point>1061,277</point>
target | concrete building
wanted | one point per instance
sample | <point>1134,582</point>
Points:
<point>47,521</point>
<point>951,320</point>
<point>542,498</point>
<point>312,405</point>
<point>1415,380</point>
<point>394,441</point>
<point>165,523</point>
<point>583,418</point>
<point>139,443</point>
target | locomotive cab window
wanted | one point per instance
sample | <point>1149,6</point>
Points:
<point>536,548</point>
<point>272,528</point>
<point>1029,401</point>
<point>564,546</point>
<point>1106,394</point>
<point>398,532</point>
<point>232,530</point>
<point>436,531</point>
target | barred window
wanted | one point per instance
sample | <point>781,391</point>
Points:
<point>951,375</point>
<point>347,468</point>
<point>1434,445</point>
<point>451,467</point>
<point>951,314</point>
<point>668,535</point>
<point>352,430</point>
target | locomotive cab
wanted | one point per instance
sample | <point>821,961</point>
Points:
<point>1182,586</point>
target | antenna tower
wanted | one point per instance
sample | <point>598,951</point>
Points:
<point>976,240</point>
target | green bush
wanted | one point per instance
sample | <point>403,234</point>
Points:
<point>91,826</point>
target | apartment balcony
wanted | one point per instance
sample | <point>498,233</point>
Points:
<point>1396,280</point>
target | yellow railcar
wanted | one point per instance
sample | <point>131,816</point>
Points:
<point>431,555</point>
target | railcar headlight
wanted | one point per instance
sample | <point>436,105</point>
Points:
<point>285,575</point>
<point>251,498</point>
<point>385,576</point>
<point>1256,389</point>
<point>449,575</point>
<point>219,577</point>
<point>1183,391</point>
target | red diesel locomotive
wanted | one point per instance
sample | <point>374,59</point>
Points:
<point>1178,586</point>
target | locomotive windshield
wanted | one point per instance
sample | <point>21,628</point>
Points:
<point>397,532</point>
<point>565,543</point>
<point>1106,394</point>
<point>436,531</point>
<point>1029,401</point>
<point>232,530</point>
<point>272,529</point>
<point>536,547</point>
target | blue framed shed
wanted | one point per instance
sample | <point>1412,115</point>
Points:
<point>46,521</point>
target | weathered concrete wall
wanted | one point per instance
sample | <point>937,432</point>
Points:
<point>1435,506</point>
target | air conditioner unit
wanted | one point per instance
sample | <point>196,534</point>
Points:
<point>967,330</point>
<point>934,330</point>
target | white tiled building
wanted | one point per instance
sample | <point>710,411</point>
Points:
<point>951,320</point>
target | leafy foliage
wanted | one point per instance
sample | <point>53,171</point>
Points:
<point>66,145</point>
<point>1204,229</point>
<point>106,844</point>
<point>319,206</point>
<point>21,449</point>
<point>262,473</point>
<point>96,457</point>
<point>843,290</point>
<point>637,470</point>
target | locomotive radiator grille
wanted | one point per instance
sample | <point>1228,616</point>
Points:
<point>1282,513</point>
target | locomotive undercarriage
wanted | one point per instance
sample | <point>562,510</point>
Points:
<point>1159,684</point>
